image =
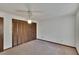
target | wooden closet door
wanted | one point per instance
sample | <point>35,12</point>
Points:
<point>19,32</point>
<point>23,32</point>
<point>33,31</point>
<point>29,32</point>
<point>26,32</point>
<point>14,33</point>
<point>1,34</point>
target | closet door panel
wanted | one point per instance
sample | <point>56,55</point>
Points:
<point>19,32</point>
<point>1,34</point>
<point>22,31</point>
<point>26,31</point>
<point>34,30</point>
<point>15,33</point>
<point>29,32</point>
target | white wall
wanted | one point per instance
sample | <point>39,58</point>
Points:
<point>77,31</point>
<point>7,32</point>
<point>59,30</point>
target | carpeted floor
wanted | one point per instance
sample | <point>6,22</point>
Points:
<point>39,47</point>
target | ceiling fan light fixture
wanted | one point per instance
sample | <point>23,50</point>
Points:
<point>29,21</point>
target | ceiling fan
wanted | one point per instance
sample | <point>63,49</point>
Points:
<point>28,12</point>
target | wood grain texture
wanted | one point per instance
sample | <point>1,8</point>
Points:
<point>1,34</point>
<point>22,32</point>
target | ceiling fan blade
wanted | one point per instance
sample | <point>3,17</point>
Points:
<point>21,11</point>
<point>27,11</point>
<point>37,11</point>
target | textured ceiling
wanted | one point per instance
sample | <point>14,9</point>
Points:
<point>46,10</point>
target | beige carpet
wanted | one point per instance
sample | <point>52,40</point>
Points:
<point>39,47</point>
